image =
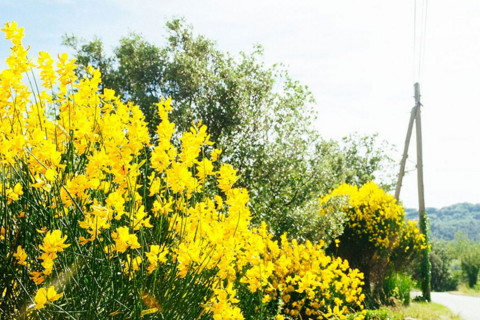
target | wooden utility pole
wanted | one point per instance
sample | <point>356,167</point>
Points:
<point>418,122</point>
<point>422,215</point>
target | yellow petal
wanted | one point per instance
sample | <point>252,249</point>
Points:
<point>52,295</point>
<point>50,174</point>
<point>148,311</point>
<point>40,298</point>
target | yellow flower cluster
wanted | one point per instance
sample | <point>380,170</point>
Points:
<point>44,296</point>
<point>310,284</point>
<point>374,215</point>
<point>375,232</point>
<point>152,204</point>
<point>53,242</point>
<point>412,239</point>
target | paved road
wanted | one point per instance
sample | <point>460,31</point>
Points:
<point>467,307</point>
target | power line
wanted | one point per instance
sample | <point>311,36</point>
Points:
<point>419,37</point>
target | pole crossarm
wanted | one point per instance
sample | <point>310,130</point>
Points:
<point>414,115</point>
<point>401,174</point>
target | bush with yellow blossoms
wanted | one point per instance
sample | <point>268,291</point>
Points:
<point>100,220</point>
<point>376,238</point>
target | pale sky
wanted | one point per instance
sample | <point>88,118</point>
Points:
<point>357,57</point>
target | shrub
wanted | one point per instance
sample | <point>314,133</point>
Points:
<point>396,288</point>
<point>470,262</point>
<point>100,221</point>
<point>376,237</point>
<point>441,260</point>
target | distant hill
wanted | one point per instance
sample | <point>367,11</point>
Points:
<point>447,221</point>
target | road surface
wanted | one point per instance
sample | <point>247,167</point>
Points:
<point>465,306</point>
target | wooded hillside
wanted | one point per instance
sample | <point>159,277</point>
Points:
<point>447,221</point>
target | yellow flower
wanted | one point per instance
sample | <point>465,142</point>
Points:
<point>116,201</point>
<point>48,262</point>
<point>3,231</point>
<point>132,265</point>
<point>215,154</point>
<point>141,219</point>
<point>180,179</point>
<point>162,208</point>
<point>54,242</point>
<point>337,242</point>
<point>164,108</point>
<point>21,256</point>
<point>37,277</point>
<point>66,71</point>
<point>155,256</point>
<point>47,72</point>
<point>227,177</point>
<point>192,143</point>
<point>50,175</point>
<point>13,32</point>
<point>13,194</point>
<point>45,296</point>
<point>124,240</point>
<point>204,169</point>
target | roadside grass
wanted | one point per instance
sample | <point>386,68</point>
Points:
<point>416,310</point>
<point>463,289</point>
<point>427,311</point>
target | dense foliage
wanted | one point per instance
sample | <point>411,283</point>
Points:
<point>99,220</point>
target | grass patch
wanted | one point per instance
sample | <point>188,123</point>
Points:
<point>416,310</point>
<point>463,289</point>
<point>427,311</point>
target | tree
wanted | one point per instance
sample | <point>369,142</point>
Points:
<point>258,115</point>
<point>367,159</point>
<point>468,252</point>
<point>441,261</point>
<point>471,265</point>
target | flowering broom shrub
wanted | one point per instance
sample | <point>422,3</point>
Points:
<point>376,238</point>
<point>99,220</point>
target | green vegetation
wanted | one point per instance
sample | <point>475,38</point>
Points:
<point>426,311</point>
<point>415,310</point>
<point>455,255</point>
<point>468,253</point>
<point>455,264</point>
<point>442,273</point>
